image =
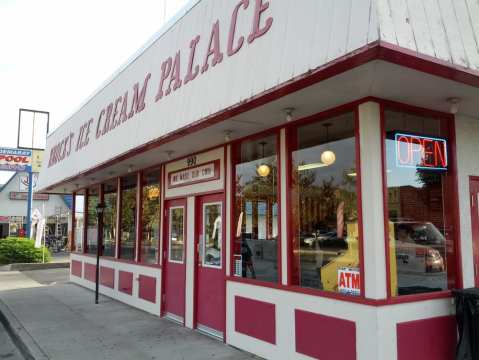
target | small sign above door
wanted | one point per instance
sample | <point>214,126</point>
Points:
<point>193,175</point>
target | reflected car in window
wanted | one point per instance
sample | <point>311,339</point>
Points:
<point>420,247</point>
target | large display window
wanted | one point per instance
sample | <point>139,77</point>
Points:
<point>325,206</point>
<point>92,220</point>
<point>150,217</point>
<point>256,209</point>
<point>110,191</point>
<point>419,203</point>
<point>128,217</point>
<point>79,225</point>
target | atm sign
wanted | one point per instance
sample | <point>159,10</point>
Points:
<point>420,152</point>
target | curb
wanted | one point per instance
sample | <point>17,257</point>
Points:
<point>37,266</point>
<point>20,336</point>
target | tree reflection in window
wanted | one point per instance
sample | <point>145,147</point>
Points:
<point>324,199</point>
<point>256,210</point>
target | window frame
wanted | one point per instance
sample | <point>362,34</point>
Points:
<point>291,146</point>
<point>449,122</point>
<point>183,253</point>
<point>220,231</point>
<point>235,157</point>
<point>137,216</point>
<point>85,215</point>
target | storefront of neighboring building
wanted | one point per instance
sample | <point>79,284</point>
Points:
<point>13,208</point>
<point>300,181</point>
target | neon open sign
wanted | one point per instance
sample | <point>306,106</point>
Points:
<point>421,152</point>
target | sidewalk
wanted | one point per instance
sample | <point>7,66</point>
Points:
<point>63,321</point>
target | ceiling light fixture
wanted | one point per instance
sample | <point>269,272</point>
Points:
<point>454,103</point>
<point>263,169</point>
<point>289,114</point>
<point>169,154</point>
<point>228,135</point>
<point>328,157</point>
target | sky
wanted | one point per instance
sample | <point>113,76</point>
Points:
<point>56,53</point>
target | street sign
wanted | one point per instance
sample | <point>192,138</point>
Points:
<point>15,159</point>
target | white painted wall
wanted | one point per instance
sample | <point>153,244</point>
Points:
<point>375,326</point>
<point>137,270</point>
<point>467,134</point>
<point>300,39</point>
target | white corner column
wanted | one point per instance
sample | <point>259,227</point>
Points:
<point>228,210</point>
<point>372,201</point>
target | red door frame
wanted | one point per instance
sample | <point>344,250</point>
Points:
<point>165,249</point>
<point>220,197</point>
<point>474,203</point>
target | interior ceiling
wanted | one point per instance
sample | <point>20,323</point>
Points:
<point>377,78</point>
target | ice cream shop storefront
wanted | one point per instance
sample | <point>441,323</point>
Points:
<point>298,181</point>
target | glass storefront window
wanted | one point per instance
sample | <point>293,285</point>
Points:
<point>92,220</point>
<point>419,203</point>
<point>150,217</point>
<point>79,221</point>
<point>256,210</point>
<point>177,234</point>
<point>325,206</point>
<point>128,217</point>
<point>212,235</point>
<point>109,217</point>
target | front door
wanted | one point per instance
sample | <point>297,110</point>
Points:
<point>174,260</point>
<point>474,196</point>
<point>210,299</point>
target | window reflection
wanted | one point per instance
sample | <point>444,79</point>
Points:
<point>92,220</point>
<point>150,217</point>
<point>325,207</point>
<point>109,218</point>
<point>128,217</point>
<point>212,235</point>
<point>177,234</point>
<point>419,211</point>
<point>79,220</point>
<point>256,210</point>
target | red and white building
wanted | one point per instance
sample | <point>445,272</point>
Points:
<point>298,179</point>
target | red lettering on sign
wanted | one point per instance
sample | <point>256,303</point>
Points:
<point>213,48</point>
<point>192,74</point>
<point>165,72</point>
<point>231,37</point>
<point>259,31</point>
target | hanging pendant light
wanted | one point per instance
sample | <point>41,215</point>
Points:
<point>328,157</point>
<point>263,169</point>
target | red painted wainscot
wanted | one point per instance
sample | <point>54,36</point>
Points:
<point>107,277</point>
<point>90,272</point>
<point>256,319</point>
<point>125,284</point>
<point>427,339</point>
<point>76,268</point>
<point>147,288</point>
<point>324,337</point>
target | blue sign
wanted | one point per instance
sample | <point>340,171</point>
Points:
<point>15,159</point>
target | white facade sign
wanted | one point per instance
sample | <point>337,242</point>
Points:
<point>193,175</point>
